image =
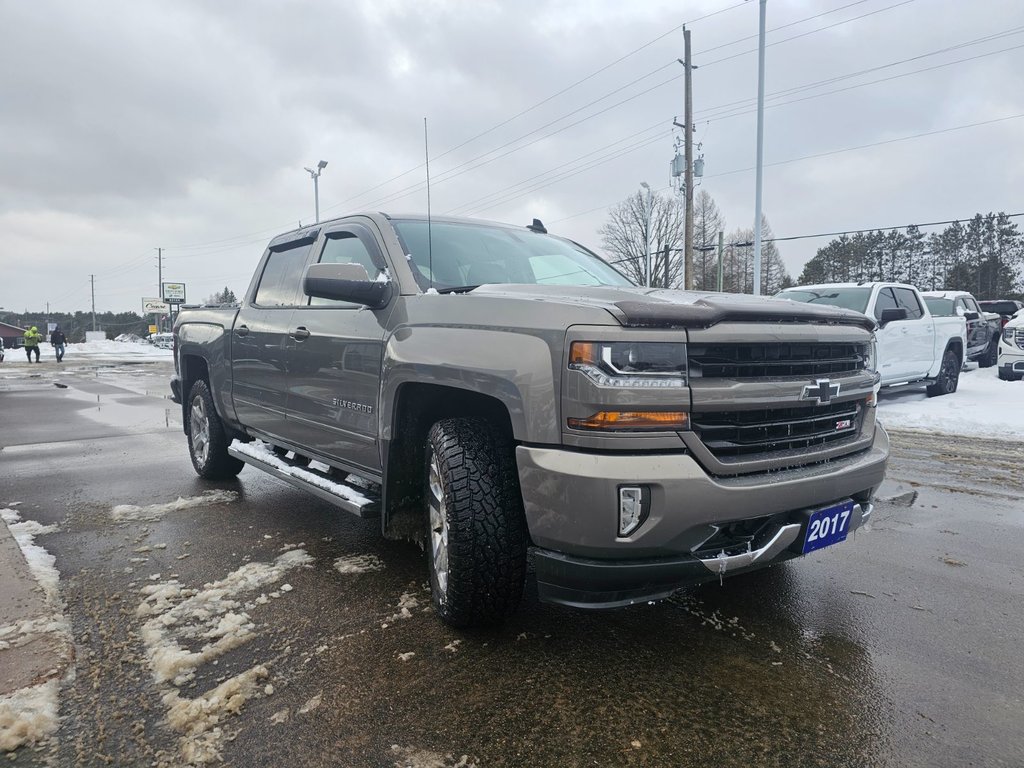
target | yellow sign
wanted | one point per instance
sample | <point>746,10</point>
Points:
<point>153,329</point>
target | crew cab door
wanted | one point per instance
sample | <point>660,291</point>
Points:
<point>918,333</point>
<point>260,334</point>
<point>335,352</point>
<point>978,331</point>
<point>894,365</point>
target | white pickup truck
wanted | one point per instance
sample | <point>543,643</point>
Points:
<point>912,344</point>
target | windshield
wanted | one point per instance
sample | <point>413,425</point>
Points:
<point>474,254</point>
<point>940,307</point>
<point>855,298</point>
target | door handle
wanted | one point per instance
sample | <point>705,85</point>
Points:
<point>300,334</point>
<point>242,330</point>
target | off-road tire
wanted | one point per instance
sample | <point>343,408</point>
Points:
<point>207,440</point>
<point>949,375</point>
<point>991,354</point>
<point>476,493</point>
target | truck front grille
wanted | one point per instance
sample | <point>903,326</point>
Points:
<point>738,434</point>
<point>774,360</point>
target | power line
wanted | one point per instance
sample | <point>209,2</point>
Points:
<point>826,154</point>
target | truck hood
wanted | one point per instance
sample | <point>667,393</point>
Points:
<point>659,308</point>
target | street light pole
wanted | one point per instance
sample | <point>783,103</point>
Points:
<point>760,151</point>
<point>315,175</point>
<point>647,235</point>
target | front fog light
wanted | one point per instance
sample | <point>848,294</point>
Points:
<point>634,504</point>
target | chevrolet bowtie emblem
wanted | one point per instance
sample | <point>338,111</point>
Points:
<point>822,390</point>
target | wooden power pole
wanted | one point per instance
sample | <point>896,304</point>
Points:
<point>688,174</point>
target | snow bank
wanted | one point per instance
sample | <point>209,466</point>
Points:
<point>982,406</point>
<point>30,714</point>
<point>112,350</point>
<point>156,511</point>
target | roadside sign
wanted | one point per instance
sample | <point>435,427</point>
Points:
<point>174,293</point>
<point>51,327</point>
<point>153,329</point>
<point>155,307</point>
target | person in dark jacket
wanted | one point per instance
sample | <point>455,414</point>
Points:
<point>32,339</point>
<point>57,341</point>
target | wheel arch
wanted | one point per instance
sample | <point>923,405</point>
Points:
<point>417,407</point>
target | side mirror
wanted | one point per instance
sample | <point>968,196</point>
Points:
<point>972,316</point>
<point>346,282</point>
<point>888,315</point>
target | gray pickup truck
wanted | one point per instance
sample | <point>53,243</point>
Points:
<point>504,396</point>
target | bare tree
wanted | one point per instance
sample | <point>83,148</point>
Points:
<point>707,222</point>
<point>624,237</point>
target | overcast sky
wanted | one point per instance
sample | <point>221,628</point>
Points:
<point>186,125</point>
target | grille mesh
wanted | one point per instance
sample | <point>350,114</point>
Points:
<point>742,434</point>
<point>771,360</point>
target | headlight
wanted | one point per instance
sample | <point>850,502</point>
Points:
<point>1008,336</point>
<point>871,356</point>
<point>640,364</point>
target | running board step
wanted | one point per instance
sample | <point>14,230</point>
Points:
<point>361,502</point>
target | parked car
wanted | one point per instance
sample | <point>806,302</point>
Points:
<point>912,345</point>
<point>1011,350</point>
<point>982,327</point>
<point>1006,308</point>
<point>162,340</point>
<point>494,392</point>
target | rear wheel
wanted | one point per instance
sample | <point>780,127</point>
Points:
<point>949,375</point>
<point>991,354</point>
<point>207,441</point>
<point>476,530</point>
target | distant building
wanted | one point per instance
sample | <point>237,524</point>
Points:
<point>12,335</point>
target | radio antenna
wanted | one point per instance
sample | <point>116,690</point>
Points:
<point>430,243</point>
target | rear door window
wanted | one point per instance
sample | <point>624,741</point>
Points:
<point>906,299</point>
<point>279,283</point>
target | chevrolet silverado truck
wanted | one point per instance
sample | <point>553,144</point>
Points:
<point>913,346</point>
<point>503,396</point>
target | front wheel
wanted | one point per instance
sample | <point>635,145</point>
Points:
<point>949,375</point>
<point>476,530</point>
<point>207,442</point>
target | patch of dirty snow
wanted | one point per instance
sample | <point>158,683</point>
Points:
<point>406,656</point>
<point>28,715</point>
<point>200,719</point>
<point>406,603</point>
<point>310,705</point>
<point>212,614</point>
<point>358,564</point>
<point>411,757</point>
<point>152,512</point>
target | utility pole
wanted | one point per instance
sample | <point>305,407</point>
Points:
<point>159,281</point>
<point>760,152</point>
<point>688,176</point>
<point>721,253</point>
<point>92,283</point>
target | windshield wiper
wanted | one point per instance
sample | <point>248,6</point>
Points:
<point>457,289</point>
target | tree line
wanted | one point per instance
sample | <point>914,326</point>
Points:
<point>985,256</point>
<point>624,237</point>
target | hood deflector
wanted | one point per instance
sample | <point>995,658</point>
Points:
<point>706,311</point>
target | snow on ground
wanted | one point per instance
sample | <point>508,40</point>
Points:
<point>982,406</point>
<point>358,564</point>
<point>30,715</point>
<point>91,351</point>
<point>216,616</point>
<point>156,511</point>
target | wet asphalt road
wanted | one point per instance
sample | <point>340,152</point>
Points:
<point>900,647</point>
